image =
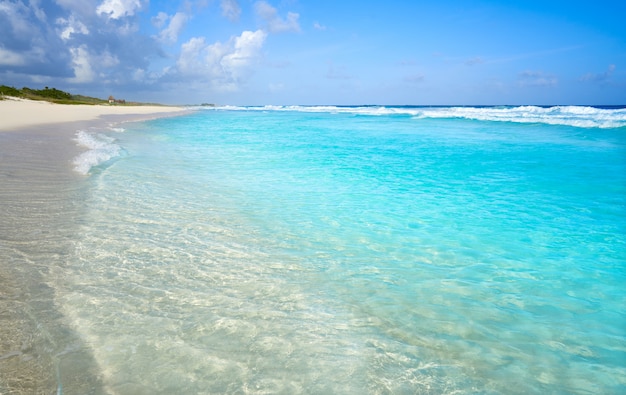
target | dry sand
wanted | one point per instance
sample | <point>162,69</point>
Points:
<point>19,113</point>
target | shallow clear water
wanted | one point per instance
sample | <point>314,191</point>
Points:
<point>334,251</point>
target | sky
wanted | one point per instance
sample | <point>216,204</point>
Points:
<point>319,52</point>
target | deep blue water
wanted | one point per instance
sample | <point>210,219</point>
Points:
<point>355,250</point>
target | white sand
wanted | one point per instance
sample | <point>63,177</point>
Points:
<point>19,113</point>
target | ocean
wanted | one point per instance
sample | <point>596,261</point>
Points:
<point>348,250</point>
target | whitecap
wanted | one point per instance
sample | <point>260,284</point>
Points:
<point>578,116</point>
<point>100,149</point>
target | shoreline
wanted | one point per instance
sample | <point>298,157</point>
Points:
<point>40,192</point>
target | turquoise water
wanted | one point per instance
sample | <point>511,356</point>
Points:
<point>355,250</point>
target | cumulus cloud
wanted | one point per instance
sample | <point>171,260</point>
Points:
<point>599,77</point>
<point>29,46</point>
<point>247,48</point>
<point>223,65</point>
<point>81,61</point>
<point>276,24</point>
<point>71,26</point>
<point>160,19</point>
<point>88,43</point>
<point>536,79</point>
<point>40,14</point>
<point>116,9</point>
<point>15,16</point>
<point>231,9</point>
<point>176,25</point>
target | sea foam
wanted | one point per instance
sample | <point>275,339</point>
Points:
<point>577,116</point>
<point>100,149</point>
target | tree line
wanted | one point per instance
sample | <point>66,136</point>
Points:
<point>48,94</point>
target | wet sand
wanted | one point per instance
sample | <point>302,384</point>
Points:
<point>40,214</point>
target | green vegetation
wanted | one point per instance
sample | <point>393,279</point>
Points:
<point>9,91</point>
<point>48,94</point>
<point>58,96</point>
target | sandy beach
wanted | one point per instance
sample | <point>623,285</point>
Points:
<point>38,217</point>
<point>20,113</point>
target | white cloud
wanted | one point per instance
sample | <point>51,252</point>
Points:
<point>176,25</point>
<point>223,66</point>
<point>39,12</point>
<point>231,9</point>
<point>275,23</point>
<point>246,49</point>
<point>191,59</point>
<point>16,16</point>
<point>71,26</point>
<point>116,9</point>
<point>160,20</point>
<point>82,65</point>
<point>10,58</point>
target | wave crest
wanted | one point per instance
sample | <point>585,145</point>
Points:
<point>100,149</point>
<point>577,116</point>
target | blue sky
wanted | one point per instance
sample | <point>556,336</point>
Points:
<point>255,52</point>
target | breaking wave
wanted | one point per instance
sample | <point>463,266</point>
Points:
<point>577,116</point>
<point>100,149</point>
